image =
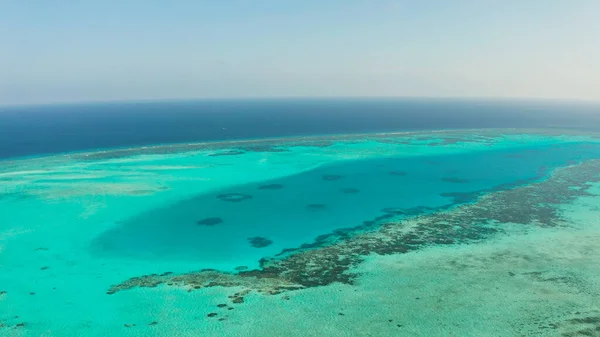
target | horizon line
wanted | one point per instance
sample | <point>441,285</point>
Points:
<point>284,98</point>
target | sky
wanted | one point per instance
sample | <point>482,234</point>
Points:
<point>77,51</point>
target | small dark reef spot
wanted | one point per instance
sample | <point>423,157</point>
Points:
<point>332,177</point>
<point>241,268</point>
<point>271,187</point>
<point>349,190</point>
<point>234,197</point>
<point>212,314</point>
<point>152,323</point>
<point>226,153</point>
<point>316,207</point>
<point>259,242</point>
<point>210,221</point>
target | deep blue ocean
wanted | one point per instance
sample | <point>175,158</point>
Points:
<point>35,130</point>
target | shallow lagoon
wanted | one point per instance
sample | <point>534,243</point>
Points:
<point>74,226</point>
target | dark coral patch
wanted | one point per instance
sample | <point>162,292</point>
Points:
<point>226,153</point>
<point>398,173</point>
<point>316,207</point>
<point>349,190</point>
<point>393,210</point>
<point>271,187</point>
<point>210,221</point>
<point>241,268</point>
<point>406,211</point>
<point>234,197</point>
<point>259,242</point>
<point>461,197</point>
<point>332,177</point>
<point>263,148</point>
<point>455,180</point>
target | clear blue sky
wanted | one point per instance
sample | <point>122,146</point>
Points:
<point>67,50</point>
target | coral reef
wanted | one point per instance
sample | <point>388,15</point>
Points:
<point>213,221</point>
<point>227,153</point>
<point>234,197</point>
<point>259,242</point>
<point>316,207</point>
<point>536,204</point>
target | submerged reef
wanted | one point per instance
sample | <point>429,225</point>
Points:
<point>258,147</point>
<point>448,137</point>
<point>259,242</point>
<point>210,221</point>
<point>226,153</point>
<point>535,204</point>
<point>234,197</point>
<point>316,207</point>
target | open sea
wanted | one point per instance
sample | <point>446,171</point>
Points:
<point>313,217</point>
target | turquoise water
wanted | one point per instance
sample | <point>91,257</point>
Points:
<point>306,205</point>
<point>74,225</point>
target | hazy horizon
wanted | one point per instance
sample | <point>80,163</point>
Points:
<point>516,100</point>
<point>149,51</point>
